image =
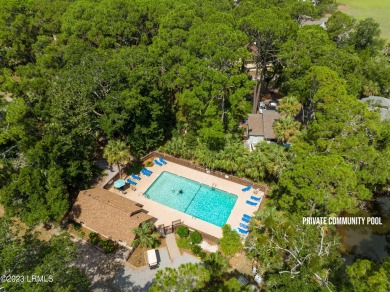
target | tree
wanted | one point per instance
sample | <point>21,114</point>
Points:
<point>293,256</point>
<point>364,275</point>
<point>187,277</point>
<point>286,129</point>
<point>36,196</point>
<point>145,235</point>
<point>217,265</point>
<point>27,256</point>
<point>230,242</point>
<point>116,151</point>
<point>320,185</point>
<point>367,36</point>
<point>312,47</point>
<point>234,285</point>
<point>289,106</point>
<point>339,27</point>
<point>267,29</point>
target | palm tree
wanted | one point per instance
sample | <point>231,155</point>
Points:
<point>286,129</point>
<point>145,235</point>
<point>118,152</point>
<point>289,106</point>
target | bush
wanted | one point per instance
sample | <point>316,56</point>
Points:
<point>182,231</point>
<point>197,250</point>
<point>195,237</point>
<point>230,242</point>
<point>76,226</point>
<point>183,243</point>
<point>149,163</point>
<point>94,238</point>
<point>107,245</point>
<point>81,234</point>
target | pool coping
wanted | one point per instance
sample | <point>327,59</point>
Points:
<point>193,197</point>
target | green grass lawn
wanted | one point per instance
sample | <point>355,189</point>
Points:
<point>377,9</point>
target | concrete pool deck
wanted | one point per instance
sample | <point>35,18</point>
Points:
<point>165,215</point>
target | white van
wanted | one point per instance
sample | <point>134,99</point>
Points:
<point>151,256</point>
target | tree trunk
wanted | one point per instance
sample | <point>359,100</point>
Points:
<point>259,85</point>
<point>120,171</point>
<point>255,98</point>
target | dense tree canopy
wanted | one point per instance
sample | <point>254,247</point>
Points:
<point>77,74</point>
<point>27,256</point>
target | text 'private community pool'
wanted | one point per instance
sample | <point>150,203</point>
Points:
<point>201,201</point>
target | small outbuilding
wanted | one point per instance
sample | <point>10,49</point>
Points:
<point>260,127</point>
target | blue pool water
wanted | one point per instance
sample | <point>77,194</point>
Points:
<point>196,199</point>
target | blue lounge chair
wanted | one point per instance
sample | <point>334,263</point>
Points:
<point>133,176</point>
<point>247,216</point>
<point>158,162</point>
<point>251,203</point>
<point>246,188</point>
<point>147,170</point>
<point>162,160</point>
<point>244,226</point>
<point>129,181</point>
<point>242,231</point>
<point>144,172</point>
<point>257,199</point>
<point>245,219</point>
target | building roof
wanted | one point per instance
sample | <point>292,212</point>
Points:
<point>269,117</point>
<point>261,124</point>
<point>380,104</point>
<point>108,214</point>
<point>255,125</point>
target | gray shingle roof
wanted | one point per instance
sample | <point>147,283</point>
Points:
<point>381,104</point>
<point>261,124</point>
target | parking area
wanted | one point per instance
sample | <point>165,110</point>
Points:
<point>128,278</point>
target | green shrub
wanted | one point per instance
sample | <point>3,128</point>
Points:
<point>183,243</point>
<point>230,242</point>
<point>149,163</point>
<point>80,234</point>
<point>76,226</point>
<point>94,238</point>
<point>195,237</point>
<point>107,245</point>
<point>196,249</point>
<point>182,231</point>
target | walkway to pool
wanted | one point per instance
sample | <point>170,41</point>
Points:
<point>173,249</point>
<point>166,215</point>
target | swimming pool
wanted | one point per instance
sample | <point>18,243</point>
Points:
<point>201,201</point>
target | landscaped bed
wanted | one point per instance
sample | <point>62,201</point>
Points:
<point>138,257</point>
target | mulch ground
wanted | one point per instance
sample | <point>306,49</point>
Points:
<point>241,263</point>
<point>138,257</point>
